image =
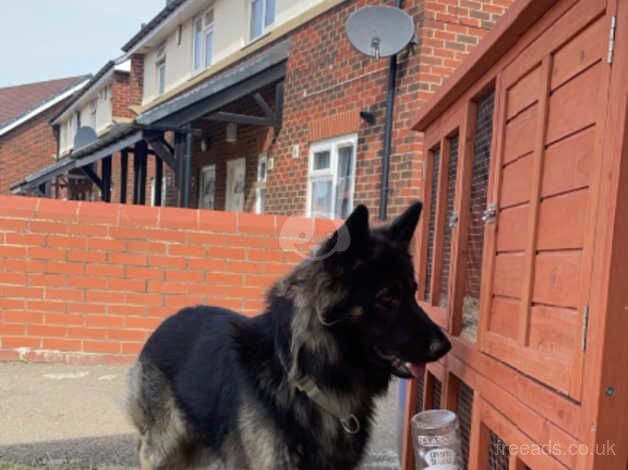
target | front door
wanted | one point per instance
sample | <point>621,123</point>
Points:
<point>236,177</point>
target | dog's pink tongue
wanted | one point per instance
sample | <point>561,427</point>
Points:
<point>417,369</point>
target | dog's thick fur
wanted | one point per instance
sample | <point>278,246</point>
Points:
<point>212,388</point>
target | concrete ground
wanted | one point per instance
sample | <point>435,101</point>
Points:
<point>53,414</point>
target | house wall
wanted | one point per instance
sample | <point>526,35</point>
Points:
<point>231,34</point>
<point>328,83</point>
<point>88,282</point>
<point>27,148</point>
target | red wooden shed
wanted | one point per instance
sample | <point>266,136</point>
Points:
<point>522,253</point>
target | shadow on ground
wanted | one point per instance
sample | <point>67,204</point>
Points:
<point>96,451</point>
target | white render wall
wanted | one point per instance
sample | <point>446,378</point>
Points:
<point>100,121</point>
<point>231,34</point>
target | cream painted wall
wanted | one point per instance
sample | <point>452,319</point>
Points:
<point>231,34</point>
<point>100,121</point>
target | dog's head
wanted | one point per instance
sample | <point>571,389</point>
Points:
<point>375,293</point>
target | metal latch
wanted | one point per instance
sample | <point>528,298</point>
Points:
<point>453,220</point>
<point>488,216</point>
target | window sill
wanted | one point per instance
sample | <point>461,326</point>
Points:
<point>262,36</point>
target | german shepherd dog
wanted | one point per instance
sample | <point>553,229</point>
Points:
<point>294,387</point>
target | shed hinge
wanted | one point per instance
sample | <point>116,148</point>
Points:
<point>585,327</point>
<point>611,39</point>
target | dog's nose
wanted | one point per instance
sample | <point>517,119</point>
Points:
<point>439,347</point>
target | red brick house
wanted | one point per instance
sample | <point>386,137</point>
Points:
<point>27,142</point>
<point>279,115</point>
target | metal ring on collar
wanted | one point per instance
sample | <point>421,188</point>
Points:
<point>351,424</point>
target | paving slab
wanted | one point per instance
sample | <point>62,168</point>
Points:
<point>54,414</point>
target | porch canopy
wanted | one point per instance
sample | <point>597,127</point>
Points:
<point>124,138</point>
<point>146,135</point>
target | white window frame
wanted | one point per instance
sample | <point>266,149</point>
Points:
<point>262,159</point>
<point>265,27</point>
<point>330,174</point>
<point>206,29</point>
<point>160,63</point>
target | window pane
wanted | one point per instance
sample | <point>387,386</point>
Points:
<point>162,78</point>
<point>321,199</point>
<point>198,44</point>
<point>209,41</point>
<point>344,182</point>
<point>257,15</point>
<point>322,160</point>
<point>270,12</point>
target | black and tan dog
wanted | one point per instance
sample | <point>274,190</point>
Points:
<point>292,388</point>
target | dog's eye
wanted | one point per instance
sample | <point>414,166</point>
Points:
<point>388,297</point>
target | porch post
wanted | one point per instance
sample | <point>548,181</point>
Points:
<point>140,163</point>
<point>124,174</point>
<point>187,170</point>
<point>179,151</point>
<point>106,179</point>
<point>159,172</point>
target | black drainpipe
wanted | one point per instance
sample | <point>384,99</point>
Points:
<point>390,105</point>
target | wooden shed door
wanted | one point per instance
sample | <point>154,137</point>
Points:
<point>539,243</point>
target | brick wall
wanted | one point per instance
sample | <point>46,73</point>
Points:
<point>27,148</point>
<point>88,282</point>
<point>327,78</point>
<point>126,89</point>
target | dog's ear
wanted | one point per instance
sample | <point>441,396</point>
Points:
<point>351,237</point>
<point>403,227</point>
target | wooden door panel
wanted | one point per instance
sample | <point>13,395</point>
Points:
<point>579,53</point>
<point>507,277</point>
<point>523,93</point>
<point>503,319</point>
<point>540,245</point>
<point>516,178</point>
<point>572,106</point>
<point>562,221</point>
<point>557,278</point>
<point>519,137</point>
<point>554,330</point>
<point>569,163</point>
<point>513,228</point>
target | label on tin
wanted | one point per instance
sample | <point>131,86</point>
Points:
<point>443,457</point>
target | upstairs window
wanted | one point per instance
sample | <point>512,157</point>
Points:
<point>262,17</point>
<point>203,40</point>
<point>331,177</point>
<point>160,65</point>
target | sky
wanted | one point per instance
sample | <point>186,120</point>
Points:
<point>47,39</point>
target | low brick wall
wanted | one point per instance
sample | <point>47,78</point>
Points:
<point>88,282</point>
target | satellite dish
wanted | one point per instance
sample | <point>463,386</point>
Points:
<point>84,136</point>
<point>380,31</point>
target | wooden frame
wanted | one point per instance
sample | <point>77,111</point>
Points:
<point>510,383</point>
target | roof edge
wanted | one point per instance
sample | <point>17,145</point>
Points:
<point>47,104</point>
<point>506,32</point>
<point>93,80</point>
<point>154,23</point>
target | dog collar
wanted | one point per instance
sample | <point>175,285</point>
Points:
<point>350,423</point>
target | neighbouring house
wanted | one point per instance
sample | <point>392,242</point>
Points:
<point>265,106</point>
<point>27,142</point>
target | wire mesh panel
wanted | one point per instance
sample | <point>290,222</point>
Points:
<point>437,390</point>
<point>435,153</point>
<point>419,395</point>
<point>464,410</point>
<point>479,192</point>
<point>498,453</point>
<point>452,170</point>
